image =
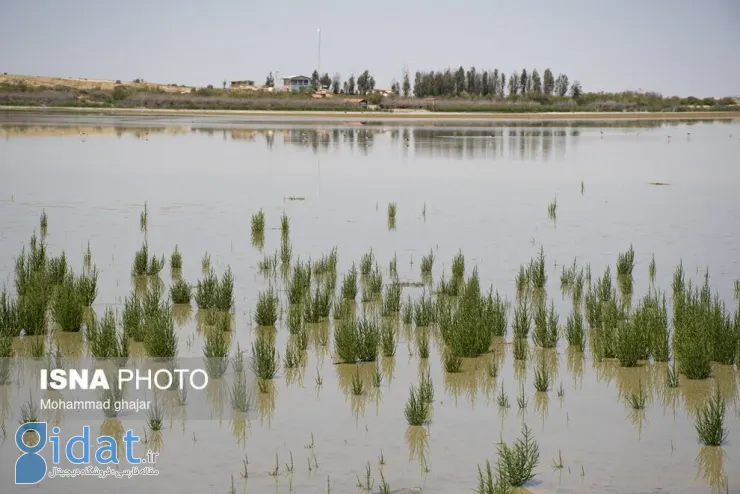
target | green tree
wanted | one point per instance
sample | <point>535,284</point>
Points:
<point>548,82</point>
<point>484,84</point>
<point>351,85</point>
<point>315,80</point>
<point>418,87</point>
<point>523,79</point>
<point>336,83</point>
<point>513,84</point>
<point>406,85</point>
<point>561,85</point>
<point>459,81</point>
<point>502,85</point>
<point>575,90</point>
<point>536,82</point>
<point>270,80</point>
<point>495,83</point>
<point>325,80</point>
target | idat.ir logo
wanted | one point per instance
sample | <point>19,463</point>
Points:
<point>31,467</point>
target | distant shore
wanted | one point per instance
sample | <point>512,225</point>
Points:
<point>387,115</point>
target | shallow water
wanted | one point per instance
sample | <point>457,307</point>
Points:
<point>484,190</point>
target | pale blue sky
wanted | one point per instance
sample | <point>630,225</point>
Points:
<point>679,47</point>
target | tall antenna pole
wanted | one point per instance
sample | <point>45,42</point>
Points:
<point>319,59</point>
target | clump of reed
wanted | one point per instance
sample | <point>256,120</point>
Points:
<point>176,260</point>
<point>158,326</point>
<point>181,292</point>
<point>469,327</point>
<point>374,282</point>
<point>57,269</point>
<point>357,339</point>
<point>516,462</point>
<point>427,262</point>
<point>426,387</point>
<point>67,306</point>
<point>422,344</point>
<point>349,284</point>
<point>637,399</point>
<point>286,251</point>
<point>424,311</point>
<point>452,362</point>
<point>104,341</point>
<point>205,263</point>
<point>357,386</point>
<point>366,263</point>
<point>326,264</point>
<point>552,209</point>
<point>388,338</point>
<point>155,416</point>
<point>143,265</point>
<point>216,353</point>
<point>212,293</point>
<point>521,349</point>
<point>391,300</point>
<point>417,409</point>
<point>392,216</point>
<point>265,358</point>
<point>266,313</point>
<point>258,223</point>
<point>568,275</point>
<point>284,225</point>
<point>522,320</point>
<point>574,331</point>
<point>710,420</point>
<point>7,352</point>
<point>87,286</point>
<point>407,311</point>
<point>626,262</point>
<point>546,331</point>
<point>651,269</point>
<point>144,218</point>
<point>537,272</point>
<point>542,379</point>
<point>490,481</point>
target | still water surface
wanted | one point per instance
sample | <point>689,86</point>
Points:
<point>483,190</point>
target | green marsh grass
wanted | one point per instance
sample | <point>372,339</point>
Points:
<point>295,319</point>
<point>205,263</point>
<point>407,311</point>
<point>388,338</point>
<point>637,399</point>
<point>87,286</point>
<point>546,331</point>
<point>375,282</point>
<point>206,291</point>
<point>424,311</point>
<point>44,223</point>
<point>181,292</point>
<point>67,306</point>
<point>626,262</point>
<point>216,353</point>
<point>160,339</point>
<point>284,225</point>
<point>342,308</point>
<point>87,256</point>
<point>366,263</point>
<point>265,360</point>
<point>266,313</point>
<point>521,349</point>
<point>104,340</point>
<point>490,482</point>
<point>518,461</point>
<point>176,260</point>
<point>522,279</point>
<point>144,218</point>
<point>452,362</point>
<point>710,420</point>
<point>393,268</point>
<point>521,399</point>
<point>57,269</point>
<point>521,321</point>
<point>537,272</point>
<point>349,284</point>
<point>502,399</point>
<point>357,339</point>
<point>258,223</point>
<point>426,387</point>
<point>542,378</point>
<point>422,344</point>
<point>651,269</point>
<point>292,357</point>
<point>427,262</point>
<point>286,251</point>
<point>391,300</point>
<point>143,265</point>
<point>7,352</point>
<point>37,348</point>
<point>416,410</point>
<point>574,331</point>
<point>568,275</point>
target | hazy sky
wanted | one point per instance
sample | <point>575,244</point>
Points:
<point>684,47</point>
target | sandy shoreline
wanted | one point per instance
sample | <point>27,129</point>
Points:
<point>385,116</point>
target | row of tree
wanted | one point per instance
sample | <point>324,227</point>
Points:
<point>448,83</point>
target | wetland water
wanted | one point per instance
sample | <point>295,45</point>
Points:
<point>482,190</point>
